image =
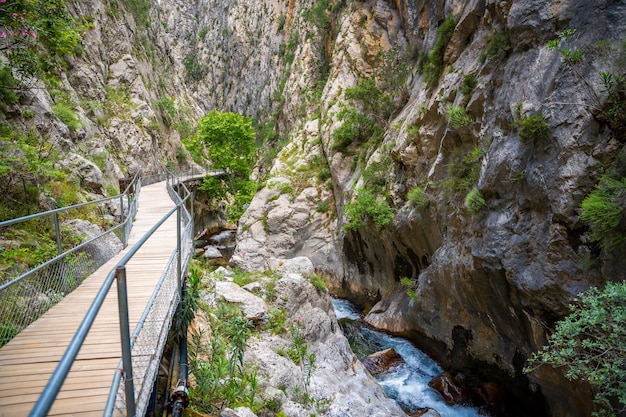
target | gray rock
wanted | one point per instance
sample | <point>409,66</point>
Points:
<point>211,252</point>
<point>253,307</point>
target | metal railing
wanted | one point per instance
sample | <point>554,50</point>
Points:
<point>28,294</point>
<point>141,353</point>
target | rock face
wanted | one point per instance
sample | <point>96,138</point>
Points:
<point>490,285</point>
<point>337,385</point>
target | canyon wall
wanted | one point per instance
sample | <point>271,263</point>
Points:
<point>456,87</point>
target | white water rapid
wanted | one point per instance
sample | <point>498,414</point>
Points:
<point>407,383</point>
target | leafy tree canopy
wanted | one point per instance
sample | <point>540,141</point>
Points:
<point>227,140</point>
<point>590,344</point>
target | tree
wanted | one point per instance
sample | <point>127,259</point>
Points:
<point>228,139</point>
<point>590,344</point>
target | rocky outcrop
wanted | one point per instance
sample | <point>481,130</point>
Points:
<point>336,383</point>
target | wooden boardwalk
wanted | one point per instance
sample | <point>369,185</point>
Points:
<point>27,361</point>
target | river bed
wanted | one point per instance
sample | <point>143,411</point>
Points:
<point>406,383</point>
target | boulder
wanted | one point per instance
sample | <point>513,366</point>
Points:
<point>86,171</point>
<point>100,250</point>
<point>379,362</point>
<point>254,308</point>
<point>211,252</point>
<point>449,388</point>
<point>299,265</point>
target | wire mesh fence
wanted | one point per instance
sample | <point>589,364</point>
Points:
<point>46,256</point>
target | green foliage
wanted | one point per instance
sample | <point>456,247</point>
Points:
<point>408,284</point>
<point>35,33</point>
<point>569,56</point>
<point>458,117</point>
<point>168,110</point>
<point>464,169</point>
<point>189,303</point>
<point>474,201</point>
<point>194,70</point>
<point>614,86</point>
<point>590,343</point>
<point>497,43</point>
<point>8,85</point>
<point>366,206</point>
<point>228,140</point>
<point>276,320</point>
<point>469,83</point>
<point>318,15</point>
<point>140,9</point>
<point>222,379</point>
<point>318,281</point>
<point>203,32</point>
<point>355,127</point>
<point>67,115</point>
<point>322,207</point>
<point>603,210</point>
<point>533,127</point>
<point>432,64</point>
<point>27,170</point>
<point>417,198</point>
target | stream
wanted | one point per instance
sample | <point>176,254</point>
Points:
<point>406,383</point>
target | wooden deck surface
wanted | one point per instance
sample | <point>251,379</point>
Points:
<point>27,362</point>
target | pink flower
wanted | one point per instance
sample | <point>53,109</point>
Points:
<point>3,34</point>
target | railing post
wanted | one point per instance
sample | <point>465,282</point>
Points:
<point>57,231</point>
<point>127,360</point>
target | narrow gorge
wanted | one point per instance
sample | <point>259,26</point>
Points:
<point>431,160</point>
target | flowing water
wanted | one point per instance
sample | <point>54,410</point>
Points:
<point>406,383</point>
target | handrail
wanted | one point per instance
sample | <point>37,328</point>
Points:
<point>64,271</point>
<point>53,386</point>
<point>75,206</point>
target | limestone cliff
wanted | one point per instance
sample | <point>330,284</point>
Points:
<point>490,282</point>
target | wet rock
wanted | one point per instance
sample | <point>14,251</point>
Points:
<point>451,391</point>
<point>424,412</point>
<point>379,362</point>
<point>493,395</point>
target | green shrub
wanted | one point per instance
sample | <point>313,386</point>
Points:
<point>67,115</point>
<point>417,198</point>
<point>458,117</point>
<point>410,291</point>
<point>497,43</point>
<point>276,320</point>
<point>322,207</point>
<point>603,210</point>
<point>318,281</point>
<point>355,127</point>
<point>432,64</point>
<point>194,70</point>
<point>589,344</point>
<point>8,84</point>
<point>474,201</point>
<point>168,110</point>
<point>469,83</point>
<point>366,206</point>
<point>203,32</point>
<point>532,127</point>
